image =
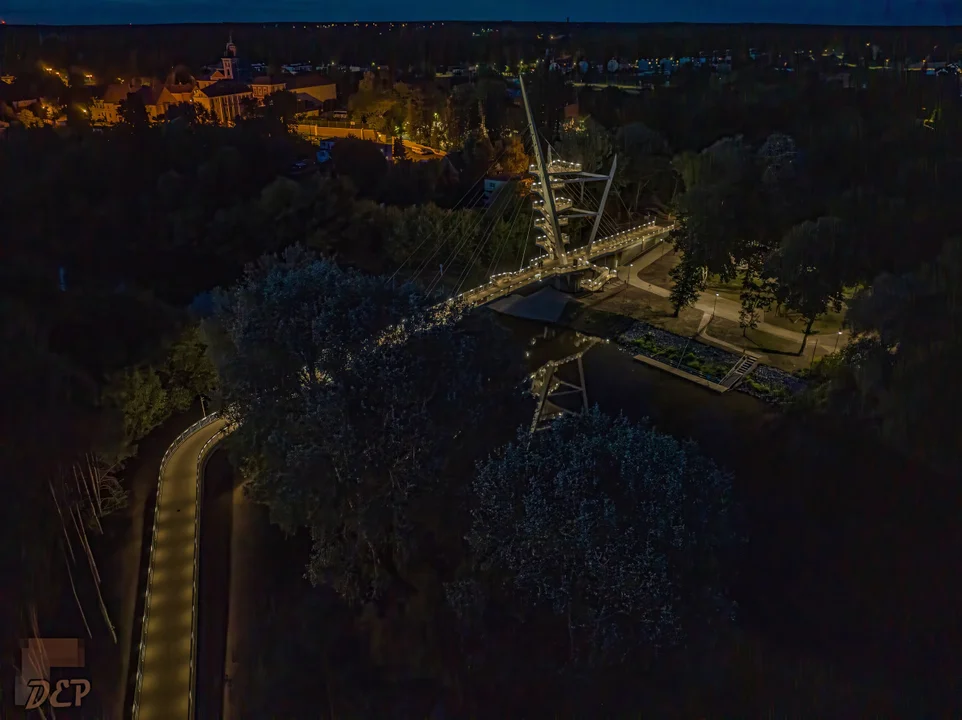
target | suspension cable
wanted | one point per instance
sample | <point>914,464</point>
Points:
<point>466,236</point>
<point>502,195</point>
<point>462,221</point>
<point>437,228</point>
<point>477,254</point>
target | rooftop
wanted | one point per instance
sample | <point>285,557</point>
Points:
<point>222,88</point>
<point>307,80</point>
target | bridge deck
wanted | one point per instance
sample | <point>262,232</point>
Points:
<point>166,686</point>
<point>580,261</point>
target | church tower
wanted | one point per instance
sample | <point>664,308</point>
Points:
<point>229,61</point>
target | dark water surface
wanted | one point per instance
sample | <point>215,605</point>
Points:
<point>850,544</point>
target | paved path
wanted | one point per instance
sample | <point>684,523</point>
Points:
<point>721,307</point>
<point>165,692</point>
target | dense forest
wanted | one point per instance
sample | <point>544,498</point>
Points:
<point>467,566</point>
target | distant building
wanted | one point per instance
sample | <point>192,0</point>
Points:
<point>264,85</point>
<point>171,95</point>
<point>230,68</point>
<point>224,99</point>
<point>105,110</point>
<point>221,91</point>
<point>313,91</point>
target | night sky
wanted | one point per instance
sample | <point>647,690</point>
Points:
<point>848,12</point>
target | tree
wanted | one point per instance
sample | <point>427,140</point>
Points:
<point>139,393</point>
<point>754,300</point>
<point>907,336</point>
<point>29,120</point>
<point>190,113</point>
<point>515,160</point>
<point>374,106</point>
<point>644,166</point>
<point>398,151</point>
<point>585,141</point>
<point>716,222</point>
<point>280,107</point>
<point>248,107</point>
<point>687,281</point>
<point>548,95</point>
<point>133,112</point>
<point>188,371</point>
<point>624,533</point>
<point>362,162</point>
<point>806,270</point>
<point>491,94</point>
<point>359,408</point>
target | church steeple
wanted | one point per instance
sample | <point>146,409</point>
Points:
<point>229,61</point>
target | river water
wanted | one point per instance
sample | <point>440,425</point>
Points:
<point>845,538</point>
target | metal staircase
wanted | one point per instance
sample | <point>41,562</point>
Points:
<point>746,363</point>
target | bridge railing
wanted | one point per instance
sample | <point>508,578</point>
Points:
<point>505,282</point>
<point>150,563</point>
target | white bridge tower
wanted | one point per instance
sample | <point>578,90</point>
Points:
<point>556,208</point>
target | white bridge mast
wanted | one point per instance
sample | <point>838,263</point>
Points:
<point>556,210</point>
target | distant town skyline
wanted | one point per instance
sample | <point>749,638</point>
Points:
<point>822,12</point>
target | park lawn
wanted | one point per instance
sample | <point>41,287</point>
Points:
<point>731,290</point>
<point>778,352</point>
<point>828,324</point>
<point>657,272</point>
<point>636,304</point>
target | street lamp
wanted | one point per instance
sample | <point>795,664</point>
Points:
<point>837,338</point>
<point>713,307</point>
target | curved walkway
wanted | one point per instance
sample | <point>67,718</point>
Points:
<point>164,678</point>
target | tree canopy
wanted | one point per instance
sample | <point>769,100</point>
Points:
<point>352,396</point>
<point>622,532</point>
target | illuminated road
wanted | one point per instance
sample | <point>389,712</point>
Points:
<point>165,689</point>
<point>545,267</point>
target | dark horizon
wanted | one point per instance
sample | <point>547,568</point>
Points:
<point>538,23</point>
<point>860,13</point>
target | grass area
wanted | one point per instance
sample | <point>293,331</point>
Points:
<point>657,272</point>
<point>829,324</point>
<point>774,393</point>
<point>637,304</point>
<point>731,290</point>
<point>673,356</point>
<point>777,351</point>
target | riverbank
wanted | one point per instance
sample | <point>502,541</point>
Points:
<point>690,354</point>
<point>831,519</point>
<point>121,555</point>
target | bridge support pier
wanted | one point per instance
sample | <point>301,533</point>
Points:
<point>567,283</point>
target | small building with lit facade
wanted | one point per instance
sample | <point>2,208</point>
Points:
<point>224,99</point>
